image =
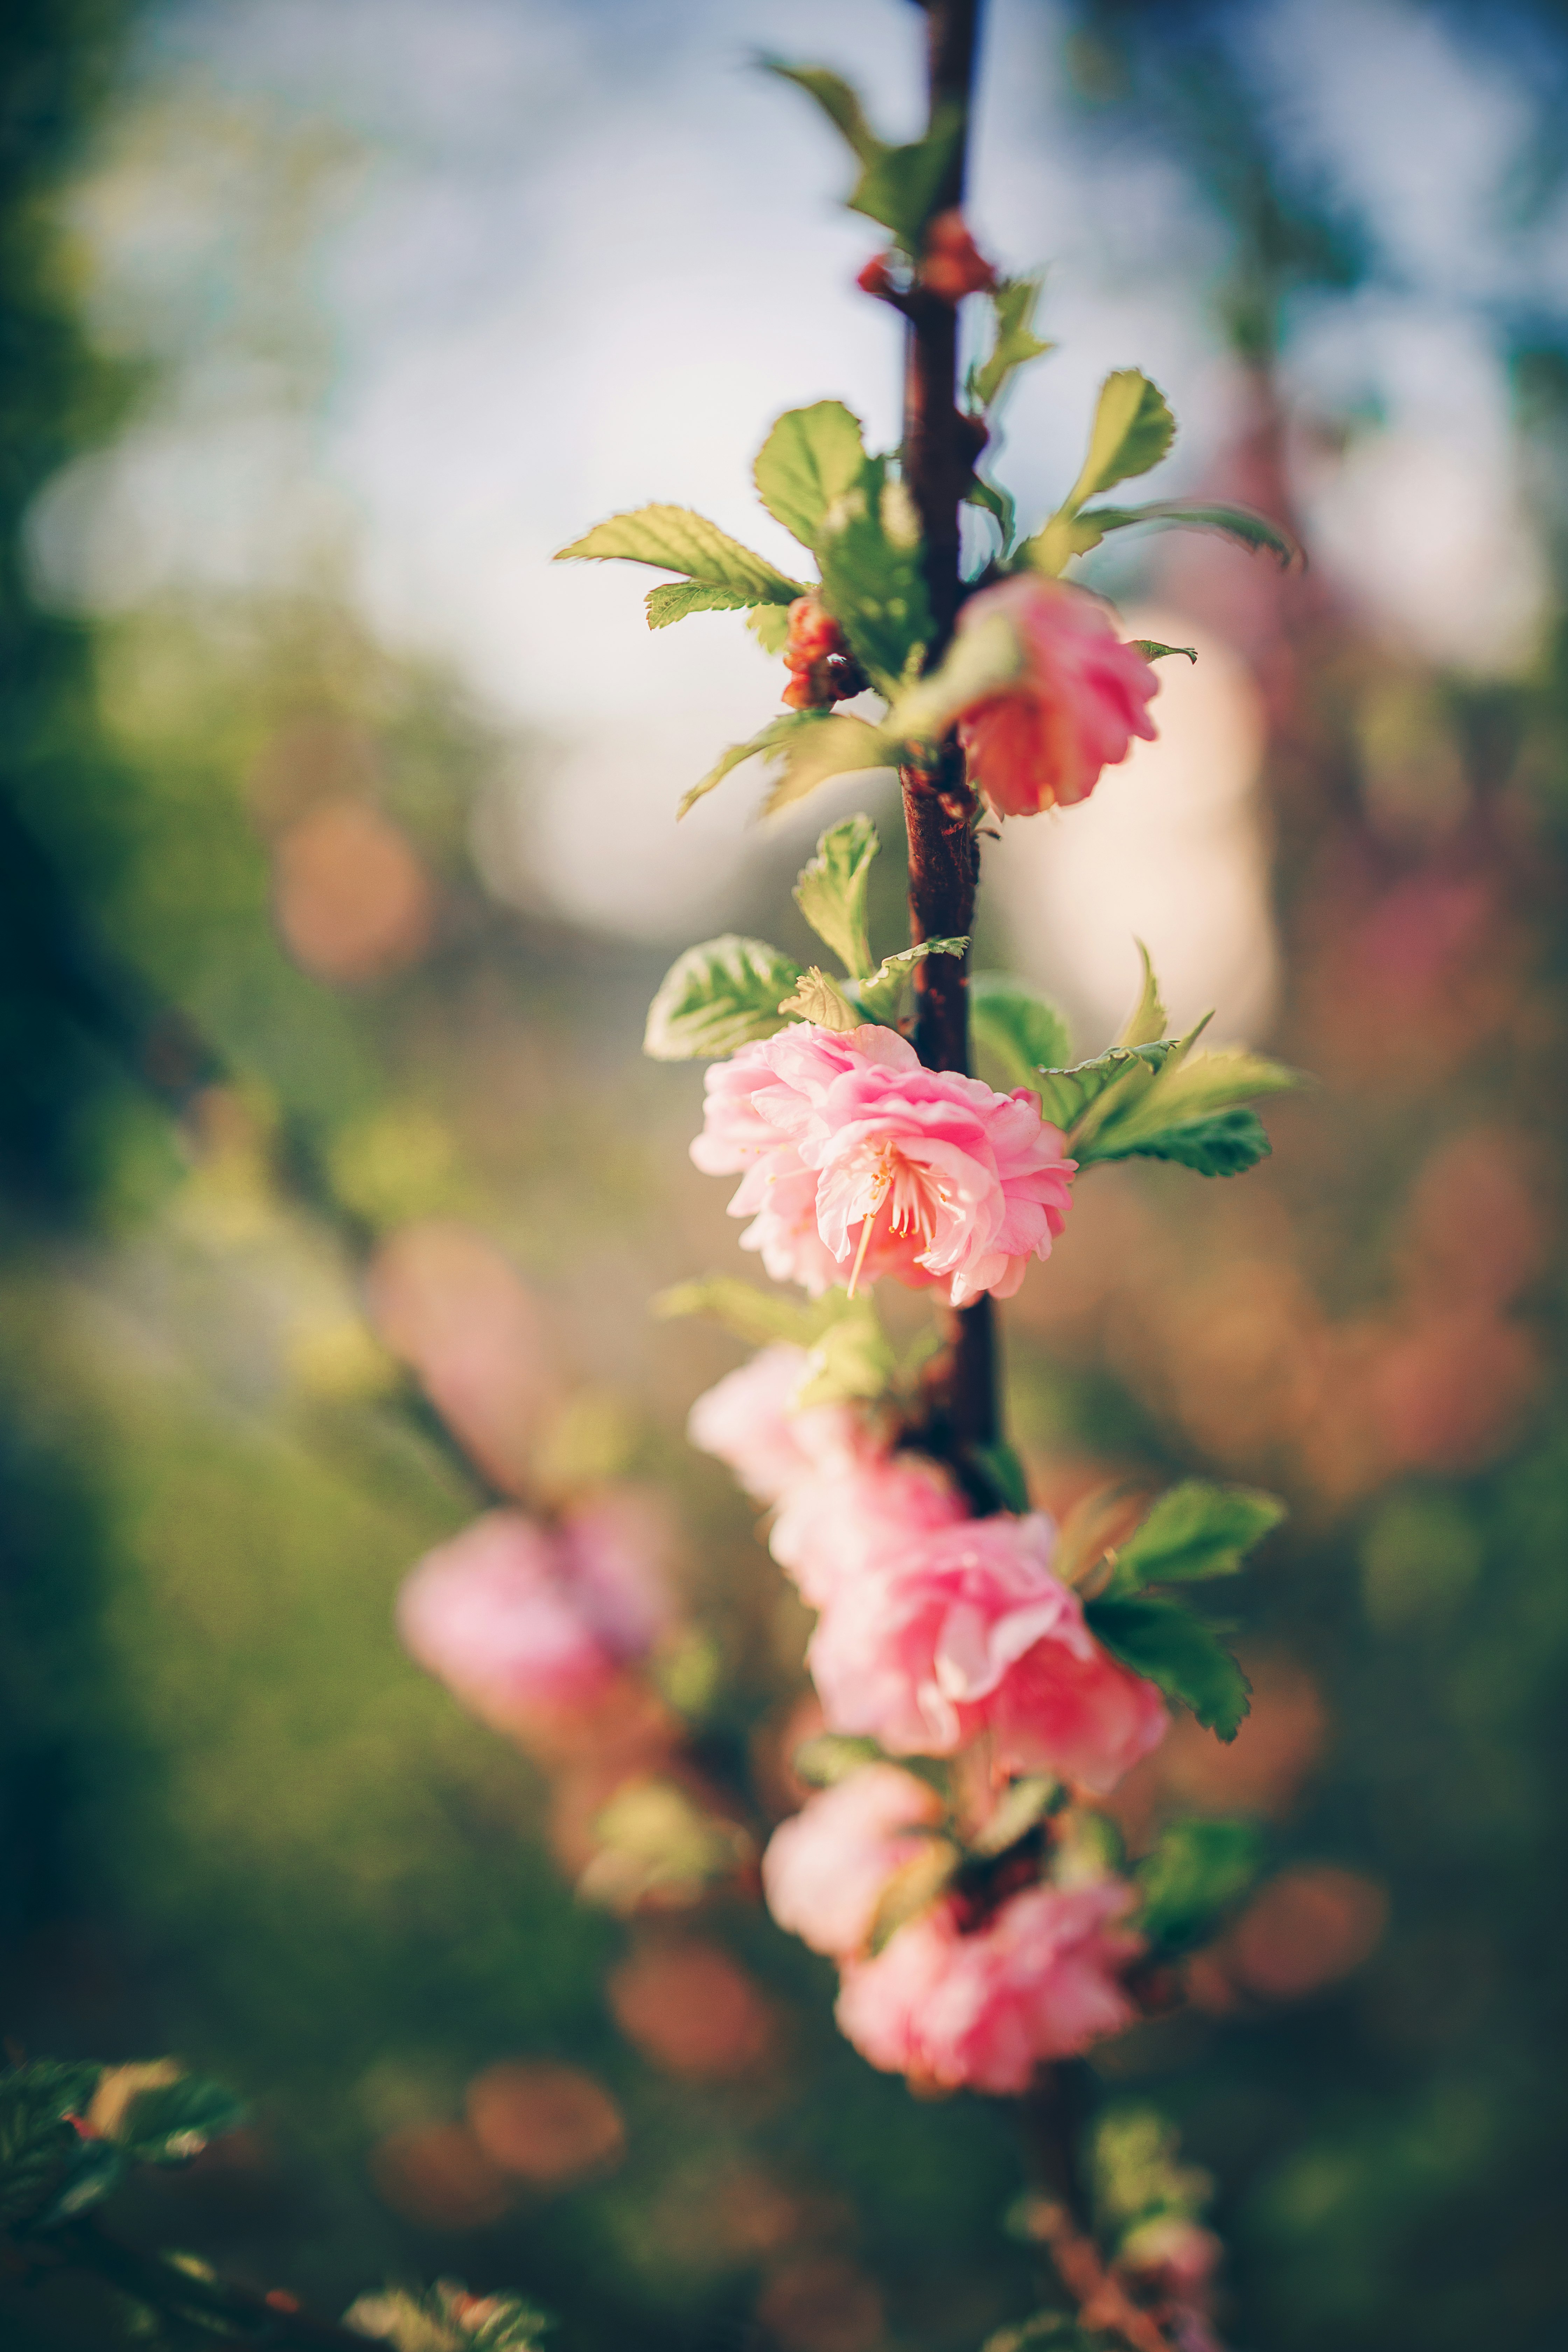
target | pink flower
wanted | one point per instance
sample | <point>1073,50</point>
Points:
<point>518,1618</point>
<point>859,1161</point>
<point>1038,1979</point>
<point>745,1421</point>
<point>824,1871</point>
<point>972,1633</point>
<point>864,1515</point>
<point>1075,709</point>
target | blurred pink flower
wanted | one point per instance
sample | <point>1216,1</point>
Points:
<point>745,1421</point>
<point>857,1161</point>
<point>825,1870</point>
<point>970,1632</point>
<point>863,1516</point>
<point>1038,1979</point>
<point>451,1305</point>
<point>519,1619</point>
<point>1081,699</point>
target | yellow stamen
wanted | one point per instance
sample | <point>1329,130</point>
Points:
<point>866,1224</point>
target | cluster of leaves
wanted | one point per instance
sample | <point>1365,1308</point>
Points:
<point>728,992</point>
<point>1192,1534</point>
<point>69,2134</point>
<point>448,2318</point>
<point>1149,1096</point>
<point>848,509</point>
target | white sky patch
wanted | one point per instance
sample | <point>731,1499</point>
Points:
<point>1169,849</point>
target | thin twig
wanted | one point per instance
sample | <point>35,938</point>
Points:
<point>271,2323</point>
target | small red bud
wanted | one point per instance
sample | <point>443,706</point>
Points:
<point>279,2299</point>
<point>876,278</point>
<point>952,265</point>
<point>822,668</point>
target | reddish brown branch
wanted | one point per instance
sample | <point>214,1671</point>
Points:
<point>939,806</point>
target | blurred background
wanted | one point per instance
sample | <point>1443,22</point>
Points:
<point>337,865</point>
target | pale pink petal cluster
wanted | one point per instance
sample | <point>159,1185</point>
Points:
<point>856,1162</point>
<point>824,1871</point>
<point>838,1527</point>
<point>1038,1979</point>
<point>749,1422</point>
<point>1082,697</point>
<point>968,1631</point>
<point>519,1619</point>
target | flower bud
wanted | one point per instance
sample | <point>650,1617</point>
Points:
<point>952,264</point>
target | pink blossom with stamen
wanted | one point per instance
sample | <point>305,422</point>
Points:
<point>1038,1979</point>
<point>859,1161</point>
<point>971,1631</point>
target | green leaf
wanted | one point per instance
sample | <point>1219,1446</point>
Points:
<point>1003,1473</point>
<point>897,186</point>
<point>812,457</point>
<point>852,1361</point>
<point>1252,530</point>
<point>819,745</point>
<point>758,1317</point>
<point>1052,548</point>
<point>913,1887</point>
<point>997,502</point>
<point>1148,1021</point>
<point>97,2168</point>
<point>839,100</point>
<point>675,598</point>
<point>806,747</point>
<point>832,1756</point>
<point>819,999</point>
<point>39,2151</point>
<point>878,996</point>
<point>769,624</point>
<point>900,187</point>
<point>869,551</point>
<point>447,2319</point>
<point>1016,1028</point>
<point>673,539</point>
<point>1025,1803</point>
<point>1227,1143</point>
<point>1197,1869</point>
<point>831,891</point>
<point>1152,649</point>
<point>716,996</point>
<point>1185,1089</point>
<point>1179,1653</point>
<point>1014,343</point>
<point>172,2121</point>
<point>1194,1531</point>
<point>1117,1104</point>
<point>1067,1095</point>
<point>1132,430</point>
